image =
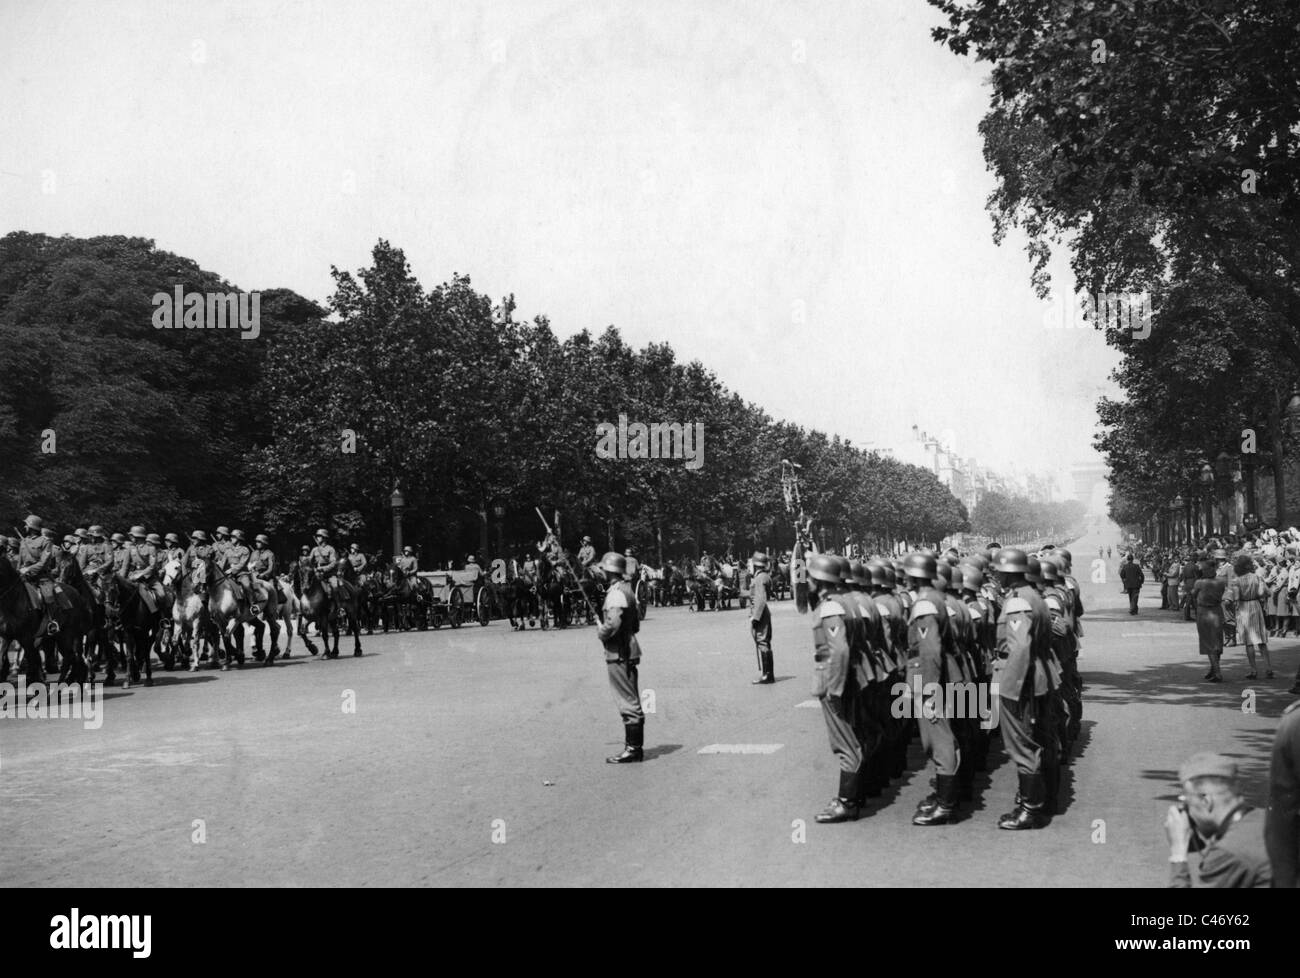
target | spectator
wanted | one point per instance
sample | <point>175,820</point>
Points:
<point>1207,595</point>
<point>1169,593</point>
<point>1282,823</point>
<point>1212,816</point>
<point>1132,577</point>
<point>1247,593</point>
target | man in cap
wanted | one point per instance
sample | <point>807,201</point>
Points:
<point>1282,823</point>
<point>1023,674</point>
<point>617,632</point>
<point>324,560</point>
<point>473,567</point>
<point>760,619</point>
<point>1212,812</point>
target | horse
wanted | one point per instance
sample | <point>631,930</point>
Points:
<point>263,613</point>
<point>165,640</point>
<point>224,615</point>
<point>20,620</point>
<point>129,615</point>
<point>323,608</point>
<point>190,613</point>
<point>522,603</point>
<point>291,615</point>
<point>97,643</point>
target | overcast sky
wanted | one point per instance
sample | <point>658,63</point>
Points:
<point>792,193</point>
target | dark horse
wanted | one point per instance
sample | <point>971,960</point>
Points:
<point>129,616</point>
<point>323,608</point>
<point>20,619</point>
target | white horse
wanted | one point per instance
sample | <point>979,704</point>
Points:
<point>291,614</point>
<point>189,615</point>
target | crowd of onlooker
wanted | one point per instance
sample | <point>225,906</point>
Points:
<point>1241,591</point>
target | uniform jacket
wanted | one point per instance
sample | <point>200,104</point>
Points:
<point>837,630</point>
<point>36,557</point>
<point>759,589</point>
<point>619,624</point>
<point>325,559</point>
<point>407,565</point>
<point>141,559</point>
<point>893,623</point>
<point>358,562</point>
<point>931,646</point>
<point>261,564</point>
<point>1024,650</point>
<point>877,663</point>
<point>235,559</point>
<point>1236,859</point>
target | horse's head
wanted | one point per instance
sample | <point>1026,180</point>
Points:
<point>171,571</point>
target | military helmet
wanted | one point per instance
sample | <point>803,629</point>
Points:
<point>96,530</point>
<point>118,538</point>
<point>613,563</point>
<point>32,523</point>
<point>81,533</point>
<point>826,568</point>
<point>972,577</point>
<point>882,574</point>
<point>858,572</point>
<point>263,539</point>
<point>305,549</point>
<point>1011,560</point>
<point>153,538</point>
<point>1033,570</point>
<point>137,531</point>
<point>238,535</point>
<point>407,549</point>
<point>199,535</point>
<point>942,575</point>
<point>1049,570</point>
<point>322,533</point>
<point>222,531</point>
<point>921,566</point>
<point>70,538</point>
<point>759,559</point>
<point>173,538</point>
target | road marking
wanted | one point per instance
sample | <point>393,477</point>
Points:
<point>740,749</point>
<point>808,705</point>
<point>1183,635</point>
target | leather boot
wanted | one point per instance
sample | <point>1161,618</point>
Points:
<point>845,807</point>
<point>1029,813</point>
<point>765,676</point>
<point>945,803</point>
<point>632,749</point>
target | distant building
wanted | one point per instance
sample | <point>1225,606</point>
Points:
<point>1090,486</point>
<point>965,478</point>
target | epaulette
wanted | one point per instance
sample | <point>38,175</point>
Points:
<point>1055,603</point>
<point>829,608</point>
<point>1016,604</point>
<point>923,606</point>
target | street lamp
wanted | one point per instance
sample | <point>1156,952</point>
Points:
<point>499,513</point>
<point>398,503</point>
<point>1207,483</point>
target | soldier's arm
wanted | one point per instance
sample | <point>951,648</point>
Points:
<point>613,619</point>
<point>925,639</point>
<point>831,649</point>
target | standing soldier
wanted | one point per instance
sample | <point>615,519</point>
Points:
<point>617,633</point>
<point>837,632</point>
<point>874,666</point>
<point>1024,684</point>
<point>984,623</point>
<point>893,621</point>
<point>965,716</point>
<point>325,561</point>
<point>760,619</point>
<point>1060,609</point>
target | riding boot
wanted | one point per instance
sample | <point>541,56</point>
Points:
<point>634,740</point>
<point>1028,813</point>
<point>944,809</point>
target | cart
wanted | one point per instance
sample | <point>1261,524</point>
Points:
<point>458,597</point>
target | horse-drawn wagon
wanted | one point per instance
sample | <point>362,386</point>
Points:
<point>458,597</point>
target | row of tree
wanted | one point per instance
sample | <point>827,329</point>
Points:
<point>1002,517</point>
<point>477,417</point>
<point>1160,142</point>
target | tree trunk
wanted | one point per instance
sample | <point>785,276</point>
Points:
<point>659,541</point>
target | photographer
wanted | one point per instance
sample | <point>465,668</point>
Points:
<point>1212,817</point>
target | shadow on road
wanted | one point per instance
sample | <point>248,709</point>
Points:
<point>661,750</point>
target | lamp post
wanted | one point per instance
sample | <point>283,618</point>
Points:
<point>1207,485</point>
<point>499,512</point>
<point>398,502</point>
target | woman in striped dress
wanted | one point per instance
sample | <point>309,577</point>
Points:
<point>1250,593</point>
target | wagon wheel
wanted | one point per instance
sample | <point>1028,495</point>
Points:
<point>436,615</point>
<point>456,608</point>
<point>483,606</point>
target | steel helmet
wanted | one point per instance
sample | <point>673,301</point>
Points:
<point>322,532</point>
<point>172,538</point>
<point>238,535</point>
<point>80,533</point>
<point>614,563</point>
<point>972,578</point>
<point>137,531</point>
<point>1034,570</point>
<point>826,568</point>
<point>222,531</point>
<point>1067,557</point>
<point>262,538</point>
<point>858,572</point>
<point>921,566</point>
<point>97,531</point>
<point>882,574</point>
<point>118,538</point>
<point>32,523</point>
<point>1049,569</point>
<point>759,559</point>
<point>153,538</point>
<point>942,575</point>
<point>1011,560</point>
<point>200,535</point>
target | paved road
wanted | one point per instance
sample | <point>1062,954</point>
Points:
<point>461,736</point>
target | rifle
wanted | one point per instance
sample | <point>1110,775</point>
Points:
<point>565,561</point>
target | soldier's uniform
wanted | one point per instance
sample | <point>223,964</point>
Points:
<point>407,563</point>
<point>36,564</point>
<point>261,565</point>
<point>933,661</point>
<point>617,632</point>
<point>198,551</point>
<point>893,621</point>
<point>358,562</point>
<point>965,718</point>
<point>984,628</point>
<point>141,567</point>
<point>220,544</point>
<point>875,670</point>
<point>586,555</point>
<point>760,619</point>
<point>1022,672</point>
<point>234,561</point>
<point>324,559</point>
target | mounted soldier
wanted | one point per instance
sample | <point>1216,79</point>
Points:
<point>586,558</point>
<point>235,563</point>
<point>36,562</point>
<point>143,565</point>
<point>261,566</point>
<point>172,549</point>
<point>358,562</point>
<point>324,560</point>
<point>220,543</point>
<point>408,564</point>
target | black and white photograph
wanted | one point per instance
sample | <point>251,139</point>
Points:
<point>651,444</point>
